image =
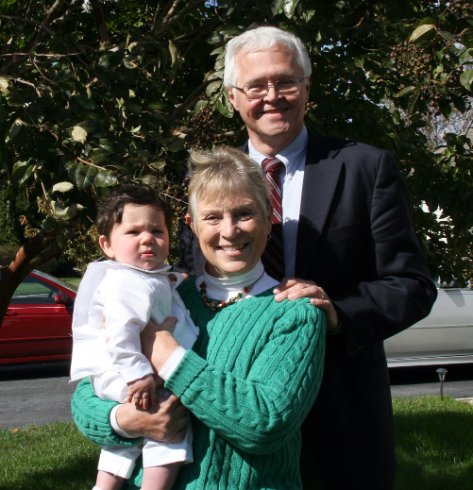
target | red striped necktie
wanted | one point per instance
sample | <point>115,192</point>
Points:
<point>273,256</point>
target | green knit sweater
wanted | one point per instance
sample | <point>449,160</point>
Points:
<point>249,382</point>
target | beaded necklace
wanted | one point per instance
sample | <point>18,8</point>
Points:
<point>216,304</point>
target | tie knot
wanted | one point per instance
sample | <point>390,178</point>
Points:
<point>271,165</point>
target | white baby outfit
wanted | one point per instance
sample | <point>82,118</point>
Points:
<point>114,303</point>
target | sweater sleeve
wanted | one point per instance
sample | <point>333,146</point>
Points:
<point>92,417</point>
<point>257,408</point>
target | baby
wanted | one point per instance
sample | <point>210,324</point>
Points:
<point>115,301</point>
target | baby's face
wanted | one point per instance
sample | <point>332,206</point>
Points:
<point>141,239</point>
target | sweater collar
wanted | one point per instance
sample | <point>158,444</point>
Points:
<point>223,288</point>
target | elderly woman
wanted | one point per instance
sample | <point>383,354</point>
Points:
<point>255,369</point>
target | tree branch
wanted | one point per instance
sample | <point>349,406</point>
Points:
<point>100,21</point>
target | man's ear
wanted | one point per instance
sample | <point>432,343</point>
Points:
<point>189,222</point>
<point>307,92</point>
<point>231,98</point>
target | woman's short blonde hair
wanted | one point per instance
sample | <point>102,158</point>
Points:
<point>225,172</point>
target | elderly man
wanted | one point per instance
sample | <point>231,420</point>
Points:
<point>345,225</point>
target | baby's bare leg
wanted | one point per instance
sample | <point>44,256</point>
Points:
<point>160,477</point>
<point>107,481</point>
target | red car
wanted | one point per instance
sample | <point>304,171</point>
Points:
<point>37,324</point>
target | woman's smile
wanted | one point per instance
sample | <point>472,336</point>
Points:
<point>232,233</point>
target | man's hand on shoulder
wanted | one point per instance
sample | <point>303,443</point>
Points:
<point>295,288</point>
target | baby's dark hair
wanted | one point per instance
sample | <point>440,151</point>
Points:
<point>111,208</point>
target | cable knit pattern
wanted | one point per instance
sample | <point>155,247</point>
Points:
<point>249,382</point>
<point>92,416</point>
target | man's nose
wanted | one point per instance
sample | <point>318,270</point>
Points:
<point>272,94</point>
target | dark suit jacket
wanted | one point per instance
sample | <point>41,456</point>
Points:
<point>356,239</point>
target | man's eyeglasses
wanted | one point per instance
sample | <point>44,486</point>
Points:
<point>259,90</point>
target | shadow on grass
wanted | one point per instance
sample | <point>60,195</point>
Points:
<point>78,474</point>
<point>434,447</point>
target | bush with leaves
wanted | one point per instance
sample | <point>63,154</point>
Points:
<point>109,91</point>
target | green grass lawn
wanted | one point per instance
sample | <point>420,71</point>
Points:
<point>434,444</point>
<point>434,450</point>
<point>47,457</point>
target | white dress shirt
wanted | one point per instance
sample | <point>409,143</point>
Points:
<point>293,157</point>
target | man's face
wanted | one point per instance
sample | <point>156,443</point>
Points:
<point>274,120</point>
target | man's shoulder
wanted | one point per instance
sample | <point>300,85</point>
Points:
<point>337,144</point>
<point>355,154</point>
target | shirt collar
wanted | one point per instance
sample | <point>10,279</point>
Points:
<point>290,156</point>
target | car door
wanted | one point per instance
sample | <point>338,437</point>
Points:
<point>444,336</point>
<point>37,324</point>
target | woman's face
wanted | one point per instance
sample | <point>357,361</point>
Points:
<point>232,233</point>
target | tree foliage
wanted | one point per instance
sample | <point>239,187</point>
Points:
<point>96,93</point>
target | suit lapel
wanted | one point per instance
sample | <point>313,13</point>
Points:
<point>321,174</point>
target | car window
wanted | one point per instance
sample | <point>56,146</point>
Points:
<point>32,291</point>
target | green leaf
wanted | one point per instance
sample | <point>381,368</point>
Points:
<point>213,88</point>
<point>290,7</point>
<point>224,109</point>
<point>22,171</point>
<point>414,96</point>
<point>173,52</point>
<point>105,178</point>
<point>15,128</point>
<point>277,6</point>
<point>63,187</point>
<point>448,36</point>
<point>466,79</point>
<point>159,165</point>
<point>150,180</point>
<point>359,62</point>
<point>421,31</point>
<point>83,175</point>
<point>4,85</point>
<point>405,91</point>
<point>466,57</point>
<point>79,134</point>
<point>62,212</point>
<point>129,63</point>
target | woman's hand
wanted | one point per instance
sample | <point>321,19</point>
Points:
<point>166,422</point>
<point>158,343</point>
<point>302,288</point>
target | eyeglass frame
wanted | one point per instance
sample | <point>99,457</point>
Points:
<point>268,86</point>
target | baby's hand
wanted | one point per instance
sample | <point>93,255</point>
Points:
<point>143,392</point>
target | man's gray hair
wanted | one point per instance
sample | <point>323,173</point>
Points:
<point>262,38</point>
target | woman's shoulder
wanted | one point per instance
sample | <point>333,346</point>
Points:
<point>299,310</point>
